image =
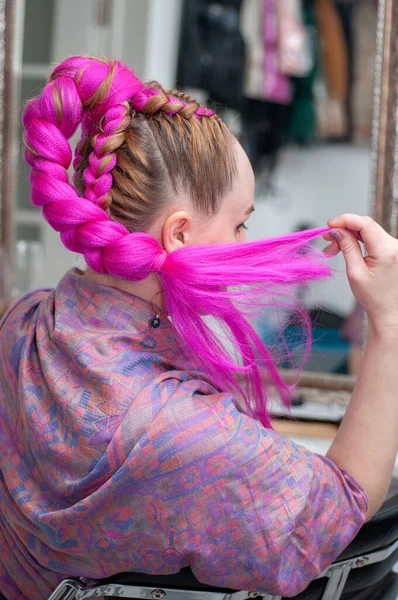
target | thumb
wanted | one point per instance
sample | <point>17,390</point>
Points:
<point>351,251</point>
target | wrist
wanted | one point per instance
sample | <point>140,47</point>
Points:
<point>382,332</point>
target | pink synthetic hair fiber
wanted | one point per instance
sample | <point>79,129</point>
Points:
<point>202,284</point>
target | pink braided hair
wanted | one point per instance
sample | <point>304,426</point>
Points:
<point>84,226</point>
<point>170,103</point>
<point>221,281</point>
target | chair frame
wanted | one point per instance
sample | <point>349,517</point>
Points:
<point>337,574</point>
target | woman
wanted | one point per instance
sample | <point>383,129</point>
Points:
<point>127,441</point>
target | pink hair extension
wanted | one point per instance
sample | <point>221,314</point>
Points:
<point>221,283</point>
<point>97,176</point>
<point>230,282</point>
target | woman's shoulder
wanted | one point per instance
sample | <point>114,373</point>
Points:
<point>197,417</point>
<point>23,307</point>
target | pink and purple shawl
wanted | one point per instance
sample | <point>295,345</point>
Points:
<point>115,456</point>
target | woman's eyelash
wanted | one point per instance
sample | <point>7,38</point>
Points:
<point>242,226</point>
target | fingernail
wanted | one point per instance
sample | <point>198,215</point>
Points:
<point>329,250</point>
<point>332,219</point>
<point>336,235</point>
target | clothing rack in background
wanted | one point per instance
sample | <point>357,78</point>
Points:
<point>297,71</point>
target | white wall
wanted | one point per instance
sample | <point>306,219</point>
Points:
<point>162,42</point>
<point>130,32</point>
<point>72,20</point>
<point>71,36</point>
<point>315,184</point>
<point>145,35</point>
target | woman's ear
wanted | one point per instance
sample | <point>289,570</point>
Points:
<point>176,231</point>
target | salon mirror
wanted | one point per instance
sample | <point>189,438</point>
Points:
<point>302,83</point>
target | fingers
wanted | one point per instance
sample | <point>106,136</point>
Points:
<point>328,237</point>
<point>373,236</point>
<point>333,248</point>
<point>349,221</point>
<point>348,244</point>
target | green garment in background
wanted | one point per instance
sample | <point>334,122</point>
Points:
<point>302,128</point>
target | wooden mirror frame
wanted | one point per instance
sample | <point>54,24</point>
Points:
<point>9,112</point>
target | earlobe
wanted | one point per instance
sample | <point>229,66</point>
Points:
<point>176,231</point>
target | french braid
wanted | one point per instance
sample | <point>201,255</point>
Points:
<point>154,99</point>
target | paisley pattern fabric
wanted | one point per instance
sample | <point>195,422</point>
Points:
<point>116,456</point>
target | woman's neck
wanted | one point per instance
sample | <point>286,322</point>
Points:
<point>148,289</point>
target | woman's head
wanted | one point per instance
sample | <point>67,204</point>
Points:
<point>178,170</point>
<point>161,186</point>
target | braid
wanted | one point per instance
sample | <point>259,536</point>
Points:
<point>154,99</point>
<point>181,95</point>
<point>102,160</point>
<point>95,93</point>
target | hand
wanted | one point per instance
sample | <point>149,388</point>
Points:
<point>374,278</point>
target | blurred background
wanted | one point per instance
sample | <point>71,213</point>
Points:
<point>292,78</point>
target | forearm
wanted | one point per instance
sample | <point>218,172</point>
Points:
<point>367,441</point>
<point>355,359</point>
